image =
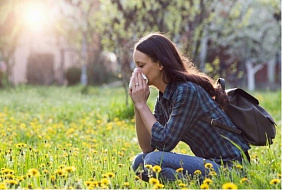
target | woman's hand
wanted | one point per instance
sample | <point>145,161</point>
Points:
<point>139,92</point>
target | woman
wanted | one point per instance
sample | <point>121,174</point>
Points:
<point>185,96</point>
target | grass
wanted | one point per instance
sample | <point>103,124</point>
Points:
<point>65,137</point>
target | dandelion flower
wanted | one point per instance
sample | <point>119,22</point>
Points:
<point>204,186</point>
<point>208,165</point>
<point>33,172</point>
<point>154,181</point>
<point>137,178</point>
<point>197,172</point>
<point>126,184</point>
<point>111,174</point>
<point>105,181</point>
<point>244,180</point>
<point>3,186</point>
<point>274,181</point>
<point>148,166</point>
<point>95,183</point>
<point>179,170</point>
<point>69,169</point>
<point>238,166</point>
<point>158,186</point>
<point>207,181</point>
<point>87,183</point>
<point>229,186</point>
<point>212,173</point>
<point>157,169</point>
<point>11,182</point>
<point>182,185</point>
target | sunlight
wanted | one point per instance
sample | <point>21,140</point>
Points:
<point>35,16</point>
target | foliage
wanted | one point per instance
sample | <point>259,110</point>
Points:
<point>73,75</point>
<point>40,69</point>
<point>61,138</point>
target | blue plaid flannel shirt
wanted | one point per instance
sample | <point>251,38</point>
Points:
<point>178,111</point>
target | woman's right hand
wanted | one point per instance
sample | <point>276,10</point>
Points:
<point>139,91</point>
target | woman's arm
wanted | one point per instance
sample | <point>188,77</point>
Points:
<point>139,94</point>
<point>143,135</point>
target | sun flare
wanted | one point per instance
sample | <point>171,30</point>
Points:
<point>35,16</point>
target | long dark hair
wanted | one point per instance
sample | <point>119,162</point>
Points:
<point>176,66</point>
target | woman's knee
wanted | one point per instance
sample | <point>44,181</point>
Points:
<point>154,158</point>
<point>138,160</point>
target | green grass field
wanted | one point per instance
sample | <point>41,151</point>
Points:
<point>66,137</point>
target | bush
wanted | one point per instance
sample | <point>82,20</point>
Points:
<point>73,75</point>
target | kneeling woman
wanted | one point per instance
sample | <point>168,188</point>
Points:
<point>185,96</point>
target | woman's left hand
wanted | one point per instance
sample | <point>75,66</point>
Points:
<point>140,90</point>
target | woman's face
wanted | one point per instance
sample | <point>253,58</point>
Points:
<point>152,70</point>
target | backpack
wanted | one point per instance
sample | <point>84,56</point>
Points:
<point>255,124</point>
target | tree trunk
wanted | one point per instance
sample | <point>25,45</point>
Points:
<point>271,71</point>
<point>251,71</point>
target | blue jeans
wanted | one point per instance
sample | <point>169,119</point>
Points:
<point>169,163</point>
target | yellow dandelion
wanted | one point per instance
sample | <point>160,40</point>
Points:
<point>60,172</point>
<point>157,169</point>
<point>53,178</point>
<point>11,182</point>
<point>154,181</point>
<point>126,184</point>
<point>238,166</point>
<point>33,172</point>
<point>158,186</point>
<point>21,178</point>
<point>207,181</point>
<point>212,173</point>
<point>111,174</point>
<point>87,183</point>
<point>204,186</point>
<point>7,171</point>
<point>104,175</point>
<point>208,165</point>
<point>279,176</point>
<point>274,181</point>
<point>69,169</point>
<point>3,186</point>
<point>229,186</point>
<point>197,172</point>
<point>182,185</point>
<point>9,176</point>
<point>148,166</point>
<point>244,180</point>
<point>137,178</point>
<point>179,170</point>
<point>95,183</point>
<point>105,181</point>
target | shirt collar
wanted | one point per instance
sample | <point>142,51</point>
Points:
<point>169,90</point>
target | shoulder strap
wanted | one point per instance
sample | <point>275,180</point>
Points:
<point>215,123</point>
<point>221,82</point>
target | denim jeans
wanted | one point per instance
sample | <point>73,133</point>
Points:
<point>169,163</point>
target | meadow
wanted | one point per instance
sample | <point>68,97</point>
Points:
<point>75,138</point>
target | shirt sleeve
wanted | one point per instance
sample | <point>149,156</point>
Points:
<point>158,112</point>
<point>184,113</point>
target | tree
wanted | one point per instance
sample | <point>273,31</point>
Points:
<point>78,27</point>
<point>249,35</point>
<point>10,28</point>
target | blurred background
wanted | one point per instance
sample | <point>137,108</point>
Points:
<point>90,42</point>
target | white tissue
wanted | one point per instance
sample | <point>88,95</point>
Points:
<point>144,77</point>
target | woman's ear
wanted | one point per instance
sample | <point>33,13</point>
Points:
<point>160,66</point>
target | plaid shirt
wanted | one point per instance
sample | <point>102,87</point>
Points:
<point>178,111</point>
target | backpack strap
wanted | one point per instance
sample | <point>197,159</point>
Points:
<point>221,82</point>
<point>215,123</point>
